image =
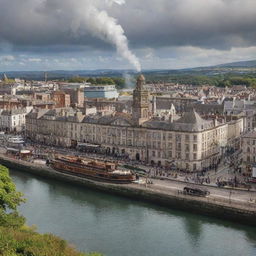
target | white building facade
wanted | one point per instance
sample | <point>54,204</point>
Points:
<point>13,120</point>
<point>189,143</point>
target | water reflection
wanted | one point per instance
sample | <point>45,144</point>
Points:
<point>193,227</point>
<point>118,226</point>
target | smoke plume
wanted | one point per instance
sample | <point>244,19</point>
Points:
<point>120,2</point>
<point>106,28</point>
<point>129,80</point>
<point>98,22</point>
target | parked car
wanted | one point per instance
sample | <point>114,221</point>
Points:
<point>195,191</point>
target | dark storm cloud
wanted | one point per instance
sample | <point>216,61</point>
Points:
<point>220,24</point>
<point>204,23</point>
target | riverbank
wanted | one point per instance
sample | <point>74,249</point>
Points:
<point>168,196</point>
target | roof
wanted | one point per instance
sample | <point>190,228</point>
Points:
<point>191,117</point>
<point>13,112</point>
<point>141,78</point>
<point>190,122</point>
<point>251,134</point>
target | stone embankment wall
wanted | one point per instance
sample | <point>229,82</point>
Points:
<point>142,193</point>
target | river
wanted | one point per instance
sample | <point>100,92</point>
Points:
<point>115,226</point>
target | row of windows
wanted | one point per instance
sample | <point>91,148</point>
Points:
<point>169,154</point>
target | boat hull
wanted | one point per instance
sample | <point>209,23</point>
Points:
<point>92,174</point>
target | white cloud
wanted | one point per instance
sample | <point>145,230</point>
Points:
<point>34,59</point>
<point>7,58</point>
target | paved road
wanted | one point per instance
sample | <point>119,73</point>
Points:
<point>227,195</point>
<point>218,193</point>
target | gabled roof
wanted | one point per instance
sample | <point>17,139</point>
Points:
<point>109,120</point>
<point>191,117</point>
<point>190,122</point>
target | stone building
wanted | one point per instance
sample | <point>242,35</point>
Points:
<point>12,120</point>
<point>76,96</point>
<point>61,99</point>
<point>189,143</point>
<point>249,151</point>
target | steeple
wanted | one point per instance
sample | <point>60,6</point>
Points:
<point>140,82</point>
<point>140,108</point>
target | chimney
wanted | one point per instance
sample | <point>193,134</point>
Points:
<point>171,119</point>
<point>85,108</point>
<point>154,105</point>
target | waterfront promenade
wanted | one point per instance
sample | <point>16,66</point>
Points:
<point>228,203</point>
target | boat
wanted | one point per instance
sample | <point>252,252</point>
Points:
<point>16,140</point>
<point>92,169</point>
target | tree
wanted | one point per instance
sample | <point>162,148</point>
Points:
<point>10,199</point>
<point>19,240</point>
<point>77,79</point>
<point>91,80</point>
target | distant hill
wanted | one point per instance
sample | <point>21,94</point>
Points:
<point>239,64</point>
<point>237,67</point>
<point>63,74</point>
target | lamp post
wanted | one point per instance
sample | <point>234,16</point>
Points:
<point>230,193</point>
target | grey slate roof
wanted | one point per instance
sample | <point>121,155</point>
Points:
<point>190,122</point>
<point>13,112</point>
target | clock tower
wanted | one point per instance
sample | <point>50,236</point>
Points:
<point>140,107</point>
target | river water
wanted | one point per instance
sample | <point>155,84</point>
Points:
<point>116,226</point>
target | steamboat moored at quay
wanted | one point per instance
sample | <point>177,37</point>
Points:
<point>92,169</point>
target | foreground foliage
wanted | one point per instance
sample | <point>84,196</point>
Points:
<point>29,243</point>
<point>19,240</point>
<point>10,199</point>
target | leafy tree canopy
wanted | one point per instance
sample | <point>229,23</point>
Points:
<point>10,199</point>
<point>19,240</point>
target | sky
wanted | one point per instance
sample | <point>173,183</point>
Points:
<point>125,34</point>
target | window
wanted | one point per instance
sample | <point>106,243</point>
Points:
<point>187,147</point>
<point>187,156</point>
<point>178,137</point>
<point>194,147</point>
<point>194,156</point>
<point>170,154</point>
<point>195,137</point>
<point>178,155</point>
<point>187,137</point>
<point>153,153</point>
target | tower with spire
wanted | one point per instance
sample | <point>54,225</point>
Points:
<point>140,107</point>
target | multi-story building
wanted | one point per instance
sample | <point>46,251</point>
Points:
<point>76,97</point>
<point>101,91</point>
<point>249,151</point>
<point>13,120</point>
<point>61,99</point>
<point>190,143</point>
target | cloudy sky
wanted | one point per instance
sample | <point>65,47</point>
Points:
<point>95,34</point>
